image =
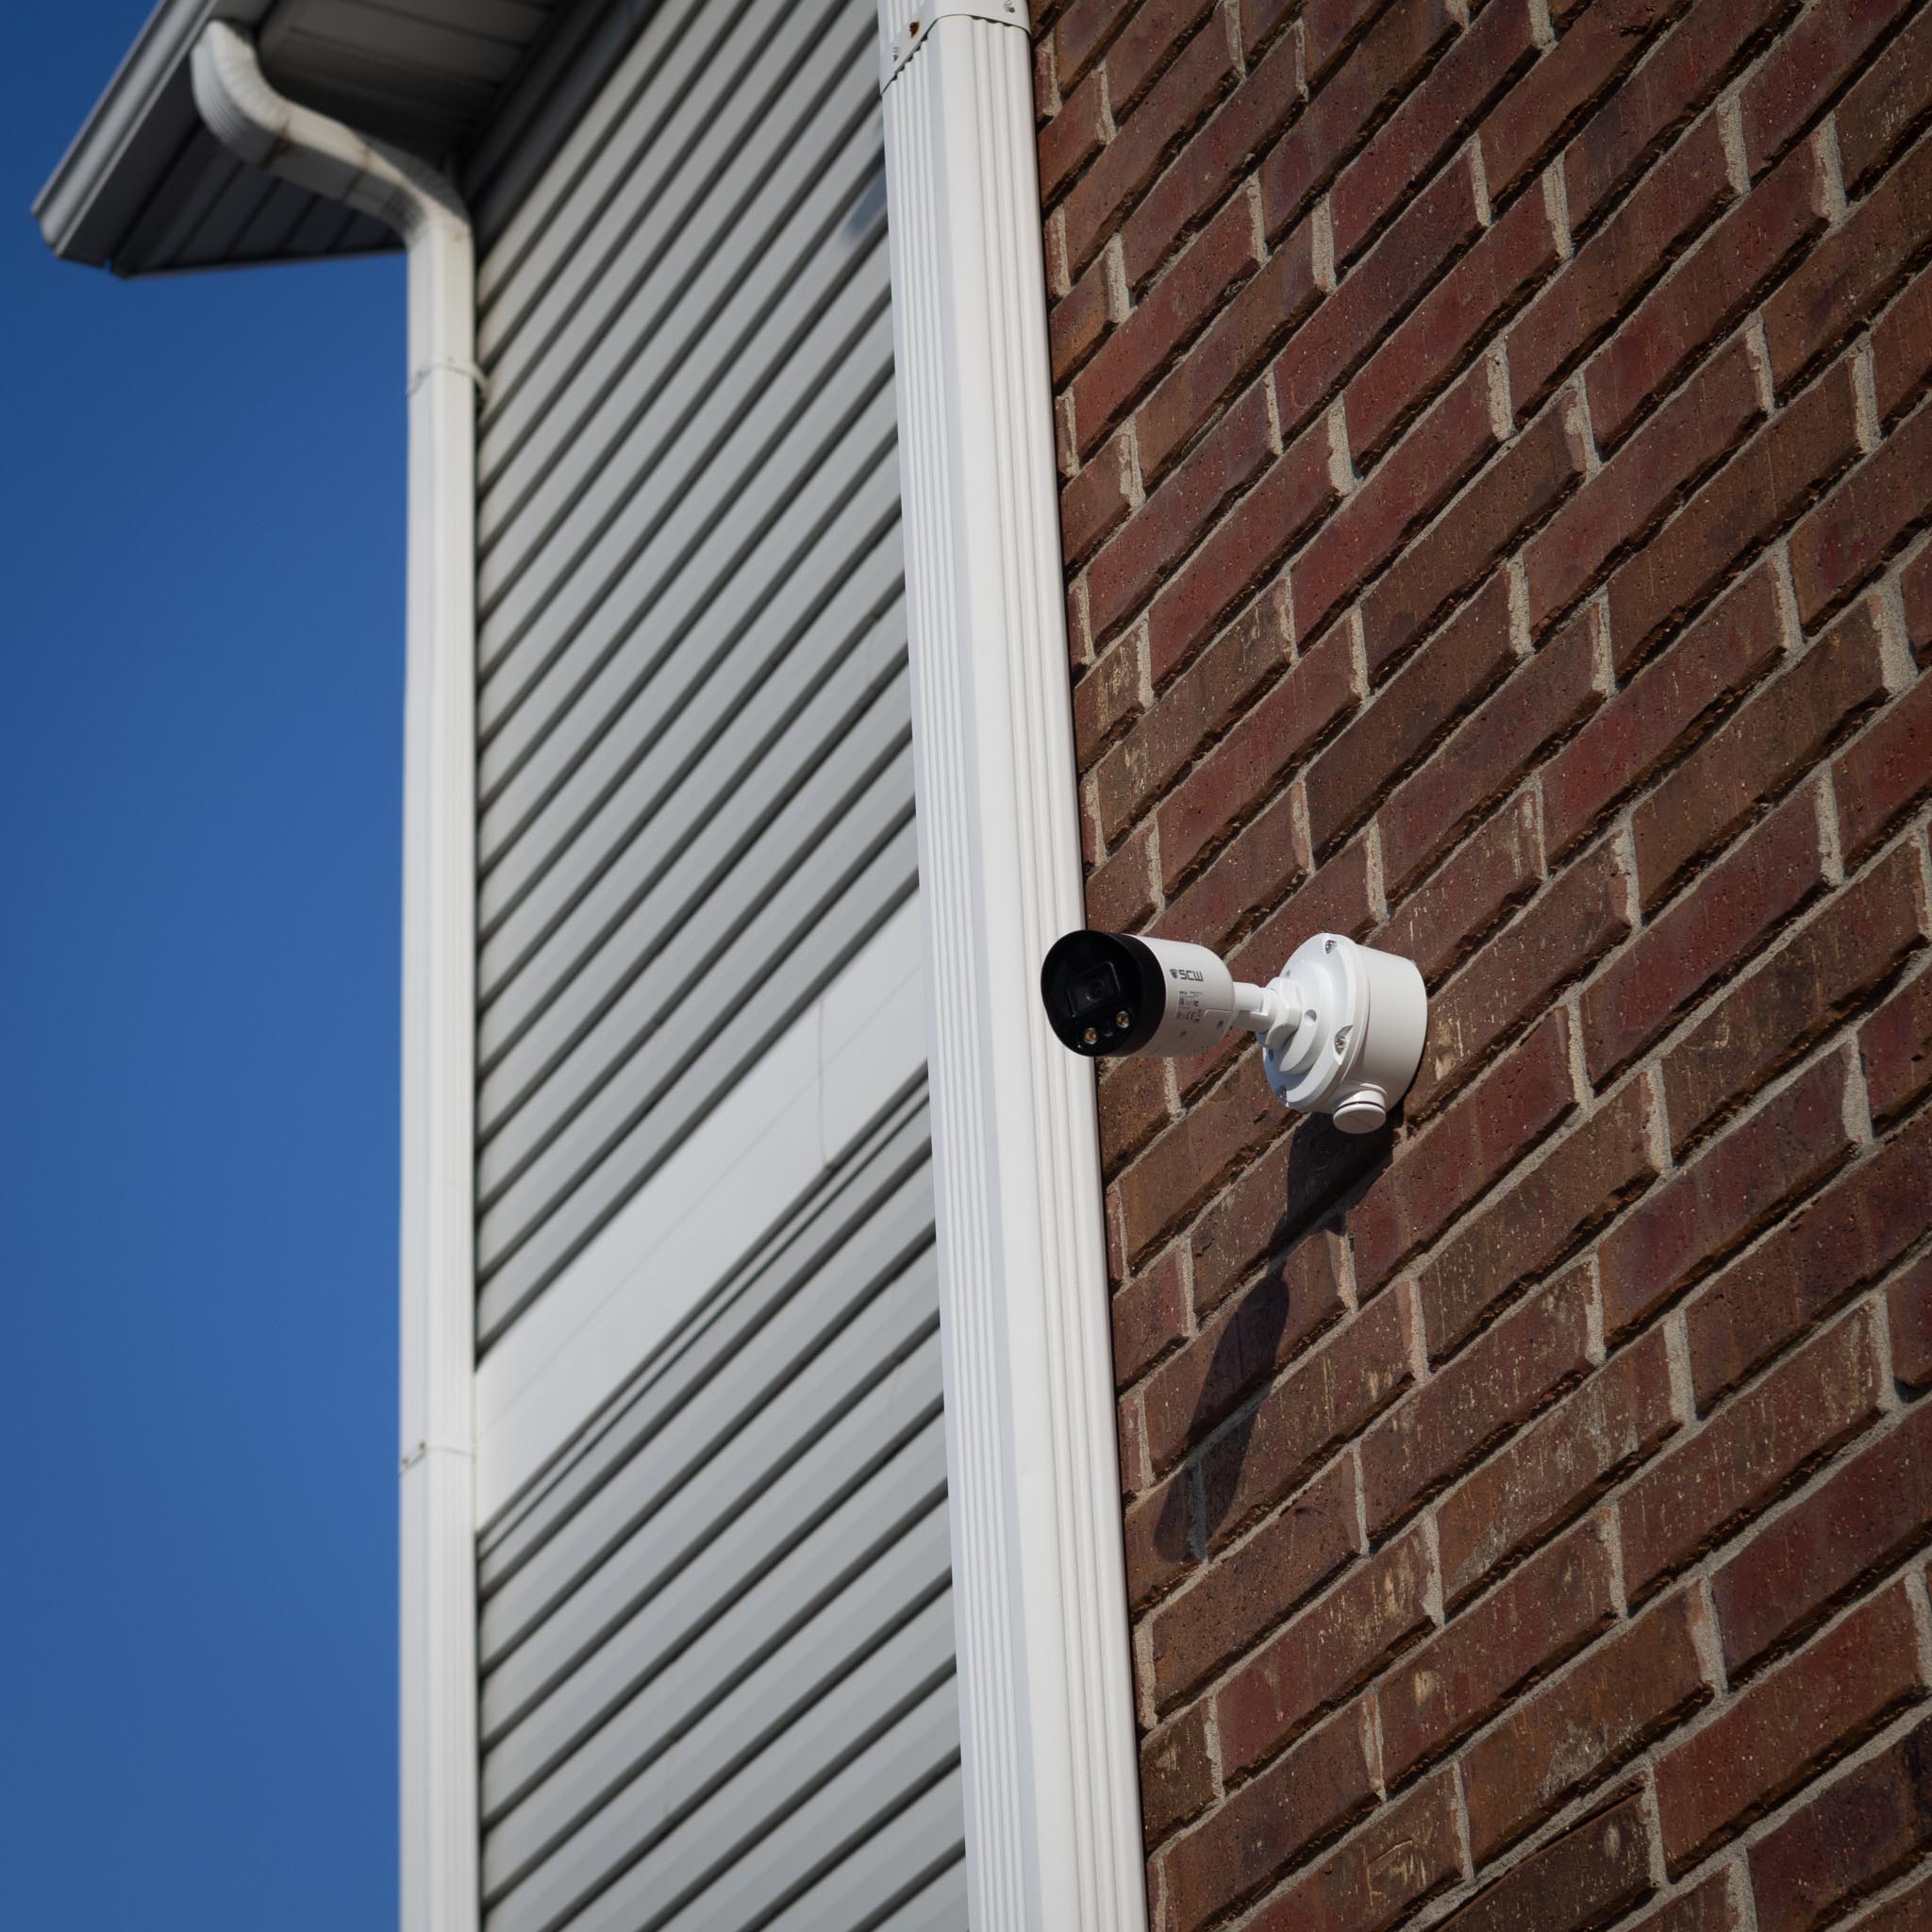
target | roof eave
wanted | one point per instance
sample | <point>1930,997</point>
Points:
<point>138,125</point>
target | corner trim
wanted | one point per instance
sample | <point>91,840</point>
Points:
<point>1051,1773</point>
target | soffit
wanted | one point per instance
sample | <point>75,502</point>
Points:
<point>146,190</point>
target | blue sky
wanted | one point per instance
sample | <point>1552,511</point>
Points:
<point>199,828</point>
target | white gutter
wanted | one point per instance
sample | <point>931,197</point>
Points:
<point>1052,1821</point>
<point>440,1854</point>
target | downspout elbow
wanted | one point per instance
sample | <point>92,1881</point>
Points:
<point>256,124</point>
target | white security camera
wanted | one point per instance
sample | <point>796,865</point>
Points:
<point>1340,1026</point>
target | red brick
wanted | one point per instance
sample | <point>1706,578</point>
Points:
<point>1481,290</point>
<point>1661,709</point>
<point>1845,949</point>
<point>1436,1174</point>
<point>1712,930</point>
<point>1684,70</point>
<point>1233,347</point>
<point>1206,169</point>
<point>1252,1586</point>
<point>1595,50</point>
<point>1853,269</point>
<point>1190,1160</point>
<point>1351,1379</point>
<point>1860,1829</point>
<point>1439,222</point>
<point>1902,344</point>
<point>1191,712</point>
<point>1752,1449</point>
<point>1783,731</point>
<point>1517,490</point>
<point>1434,114</point>
<point>1820,1704</point>
<point>1466,659</point>
<point>1080,33</point>
<point>1326,1650</point>
<point>1243,1227</point>
<point>1908,1309</point>
<point>1157,1533</point>
<point>1407,486</point>
<point>1077,323</point>
<point>1245,769</point>
<point>1253,1337</point>
<point>1371,80</point>
<point>1869,1512</point>
<point>1765,483</point>
<point>1143,347</point>
<point>1641,482</point>
<point>1498,867</point>
<point>1532,1226</point>
<point>1552,692</point>
<point>1406,1854</point>
<point>1705,294</point>
<point>1552,1607</point>
<point>1250,874</point>
<point>1851,532</point>
<point>1564,931</point>
<point>1093,503</point>
<point>1133,1105</point>
<point>1150,1316</point>
<point>1242,551</point>
<point>1594,1872</point>
<point>1883,772</point>
<point>1317,1789</point>
<point>1670,207</point>
<point>1176,1775</point>
<point>1119,891</point>
<point>1852,1233</point>
<point>1107,699</point>
<point>1915,582</point>
<point>1502,1377</point>
<point>1684,1230</point>
<point>1329,28</point>
<point>1580,1728</point>
<point>1257,1218</point>
<point>1557,1466</point>
<point>1072,137</point>
<point>1804,71</point>
<point>1711,1906</point>
<point>1335,900</point>
<point>1204,69</point>
<point>1079,653</point>
<point>1889,98</point>
<point>1896,1043</point>
<point>1144,45</point>
<point>1909,1911</point>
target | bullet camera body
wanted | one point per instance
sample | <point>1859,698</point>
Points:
<point>1341,1026</point>
<point>1110,992</point>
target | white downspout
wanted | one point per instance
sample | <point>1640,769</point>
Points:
<point>1039,1594</point>
<point>438,1768</point>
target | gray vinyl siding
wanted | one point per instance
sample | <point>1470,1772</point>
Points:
<point>717,1638</point>
<point>695,763</point>
<point>716,1630</point>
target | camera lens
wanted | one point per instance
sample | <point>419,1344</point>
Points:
<point>1099,988</point>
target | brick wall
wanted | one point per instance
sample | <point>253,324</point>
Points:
<point>1495,448</point>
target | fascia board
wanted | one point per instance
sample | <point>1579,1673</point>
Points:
<point>137,126</point>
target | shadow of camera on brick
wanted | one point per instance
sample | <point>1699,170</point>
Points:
<point>1328,1171</point>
